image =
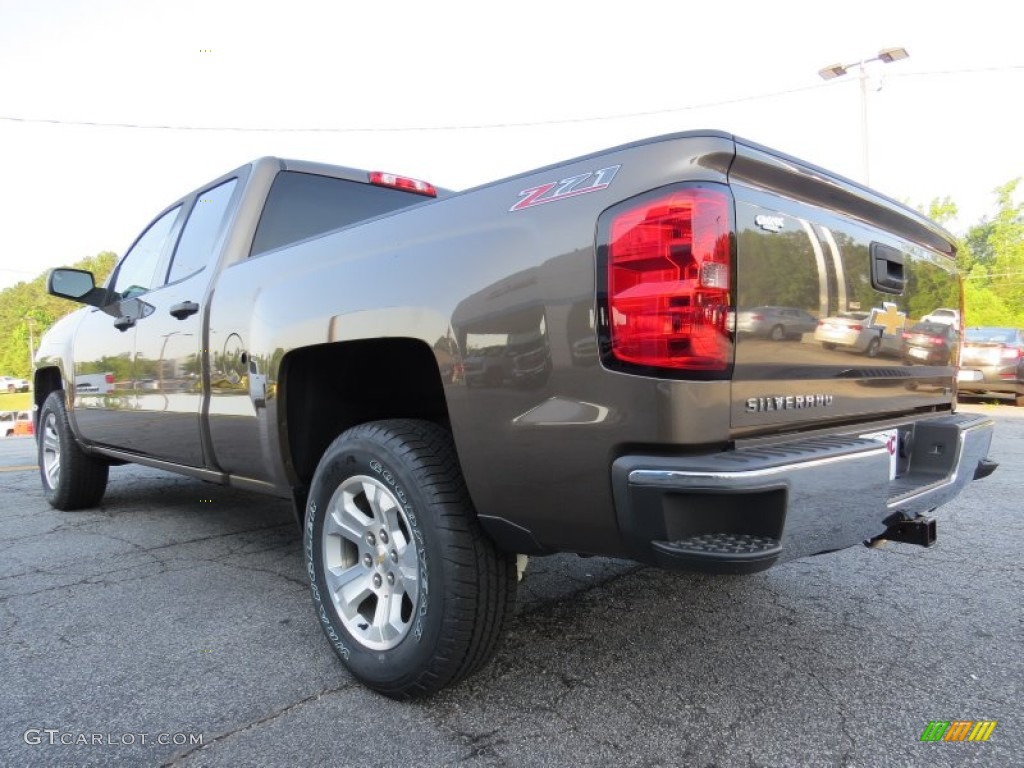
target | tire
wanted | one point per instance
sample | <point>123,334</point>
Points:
<point>873,346</point>
<point>778,333</point>
<point>388,506</point>
<point>828,345</point>
<point>72,479</point>
<point>11,389</point>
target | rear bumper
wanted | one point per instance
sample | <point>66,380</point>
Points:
<point>990,380</point>
<point>745,510</point>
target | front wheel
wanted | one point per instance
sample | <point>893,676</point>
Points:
<point>409,590</point>
<point>72,479</point>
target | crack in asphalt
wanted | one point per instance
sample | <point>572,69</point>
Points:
<point>275,715</point>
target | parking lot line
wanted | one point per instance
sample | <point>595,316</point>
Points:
<point>23,468</point>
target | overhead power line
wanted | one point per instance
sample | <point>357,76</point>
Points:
<point>480,126</point>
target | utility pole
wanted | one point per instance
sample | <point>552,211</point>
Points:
<point>31,344</point>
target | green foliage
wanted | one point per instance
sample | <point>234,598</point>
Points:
<point>993,270</point>
<point>27,310</point>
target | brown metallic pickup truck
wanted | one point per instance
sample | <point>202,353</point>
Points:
<point>548,363</point>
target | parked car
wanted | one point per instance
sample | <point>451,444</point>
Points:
<point>992,363</point>
<point>853,332</point>
<point>775,323</point>
<point>11,384</point>
<point>13,423</point>
<point>23,425</point>
<point>930,343</point>
<point>421,499</point>
<point>943,315</point>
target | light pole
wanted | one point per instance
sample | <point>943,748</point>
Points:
<point>31,343</point>
<point>886,56</point>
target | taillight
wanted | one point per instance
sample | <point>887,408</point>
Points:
<point>109,378</point>
<point>757,317</point>
<point>856,327</point>
<point>1010,353</point>
<point>404,183</point>
<point>669,265</point>
<point>905,335</point>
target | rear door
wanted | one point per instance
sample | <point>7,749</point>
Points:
<point>818,244</point>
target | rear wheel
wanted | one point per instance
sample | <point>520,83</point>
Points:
<point>409,590</point>
<point>873,346</point>
<point>778,333</point>
<point>72,479</point>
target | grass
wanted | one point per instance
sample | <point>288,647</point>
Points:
<point>19,401</point>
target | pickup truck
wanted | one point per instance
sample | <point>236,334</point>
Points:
<point>448,383</point>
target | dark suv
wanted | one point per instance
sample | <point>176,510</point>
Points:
<point>992,363</point>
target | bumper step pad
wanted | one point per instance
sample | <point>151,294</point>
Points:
<point>721,552</point>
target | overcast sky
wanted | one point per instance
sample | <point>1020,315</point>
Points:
<point>460,93</point>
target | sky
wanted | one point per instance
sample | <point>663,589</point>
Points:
<point>110,110</point>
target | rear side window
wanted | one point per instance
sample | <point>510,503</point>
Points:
<point>195,246</point>
<point>302,205</point>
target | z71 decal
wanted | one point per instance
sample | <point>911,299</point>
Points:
<point>591,181</point>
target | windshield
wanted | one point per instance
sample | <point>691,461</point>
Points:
<point>994,335</point>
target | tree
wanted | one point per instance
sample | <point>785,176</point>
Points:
<point>994,284</point>
<point>28,303</point>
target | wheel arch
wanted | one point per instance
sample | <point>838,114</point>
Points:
<point>328,388</point>
<point>45,381</point>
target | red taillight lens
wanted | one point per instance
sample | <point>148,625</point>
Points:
<point>109,378</point>
<point>669,278</point>
<point>404,183</point>
<point>856,327</point>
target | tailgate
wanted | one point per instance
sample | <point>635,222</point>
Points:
<point>864,267</point>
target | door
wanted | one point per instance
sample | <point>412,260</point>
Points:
<point>103,395</point>
<point>170,356</point>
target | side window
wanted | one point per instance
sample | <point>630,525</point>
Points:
<point>137,271</point>
<point>195,247</point>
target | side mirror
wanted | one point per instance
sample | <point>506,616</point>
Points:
<point>77,285</point>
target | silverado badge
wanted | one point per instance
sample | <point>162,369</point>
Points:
<point>787,402</point>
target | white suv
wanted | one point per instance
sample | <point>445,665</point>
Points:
<point>942,315</point>
<point>11,384</point>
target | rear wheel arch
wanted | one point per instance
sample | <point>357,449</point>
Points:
<point>327,389</point>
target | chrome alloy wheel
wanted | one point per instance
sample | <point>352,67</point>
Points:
<point>370,562</point>
<point>51,451</point>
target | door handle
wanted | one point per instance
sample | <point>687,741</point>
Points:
<point>184,309</point>
<point>888,274</point>
<point>124,323</point>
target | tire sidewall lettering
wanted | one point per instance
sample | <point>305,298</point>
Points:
<point>354,461</point>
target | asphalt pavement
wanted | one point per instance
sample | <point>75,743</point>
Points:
<point>173,626</point>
